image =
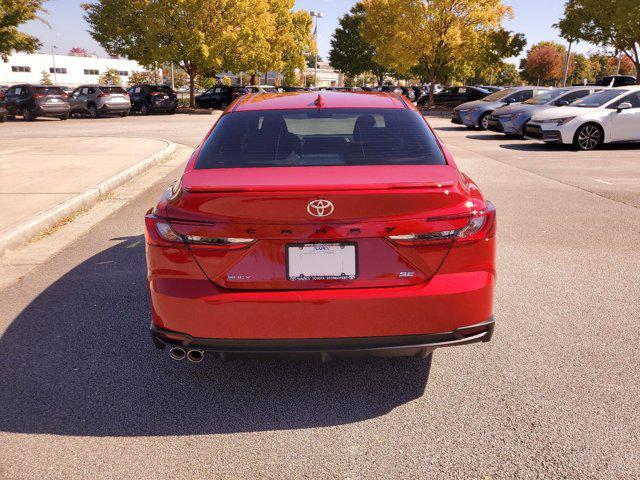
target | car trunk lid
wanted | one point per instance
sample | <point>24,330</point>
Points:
<point>368,204</point>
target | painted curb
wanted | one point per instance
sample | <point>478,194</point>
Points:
<point>25,231</point>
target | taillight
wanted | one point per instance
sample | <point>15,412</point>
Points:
<point>38,95</point>
<point>481,226</point>
<point>102,95</point>
<point>153,94</point>
<point>160,232</point>
<point>64,95</point>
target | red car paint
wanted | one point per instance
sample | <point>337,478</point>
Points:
<point>404,286</point>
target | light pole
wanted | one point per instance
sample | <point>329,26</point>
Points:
<point>53,57</point>
<point>317,15</point>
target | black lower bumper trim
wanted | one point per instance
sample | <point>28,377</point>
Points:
<point>403,345</point>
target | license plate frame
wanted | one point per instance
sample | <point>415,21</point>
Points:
<point>352,274</point>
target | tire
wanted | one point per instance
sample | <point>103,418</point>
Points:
<point>26,114</point>
<point>483,121</point>
<point>172,111</point>
<point>92,111</point>
<point>523,130</point>
<point>124,114</point>
<point>64,117</point>
<point>144,109</point>
<point>588,137</point>
<point>3,118</point>
<point>223,106</point>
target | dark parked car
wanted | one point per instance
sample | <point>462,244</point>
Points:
<point>32,101</point>
<point>617,81</point>
<point>95,100</point>
<point>453,96</point>
<point>147,98</point>
<point>3,107</point>
<point>219,97</point>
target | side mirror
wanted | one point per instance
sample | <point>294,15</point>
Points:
<point>562,103</point>
<point>624,106</point>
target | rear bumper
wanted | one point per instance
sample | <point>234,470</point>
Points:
<point>115,107</point>
<point>328,348</point>
<point>58,109</point>
<point>201,309</point>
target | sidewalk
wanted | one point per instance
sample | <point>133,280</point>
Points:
<point>44,180</point>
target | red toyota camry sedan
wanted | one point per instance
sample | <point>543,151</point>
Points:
<point>331,224</point>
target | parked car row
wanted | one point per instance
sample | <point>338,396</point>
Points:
<point>585,116</point>
<point>32,101</point>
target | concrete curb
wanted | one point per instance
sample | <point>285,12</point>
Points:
<point>22,233</point>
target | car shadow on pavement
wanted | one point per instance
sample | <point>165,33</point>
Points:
<point>78,360</point>
<point>487,136</point>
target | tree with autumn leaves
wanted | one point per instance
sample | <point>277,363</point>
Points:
<point>203,37</point>
<point>433,38</point>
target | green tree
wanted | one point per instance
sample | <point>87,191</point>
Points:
<point>45,79</point>
<point>277,39</point>
<point>431,37</point>
<point>615,24</point>
<point>350,53</point>
<point>295,59</point>
<point>143,76</point>
<point>198,36</point>
<point>110,77</point>
<point>12,14</point>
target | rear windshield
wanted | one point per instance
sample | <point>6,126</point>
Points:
<point>331,137</point>
<point>49,90</point>
<point>596,100</point>
<point>112,90</point>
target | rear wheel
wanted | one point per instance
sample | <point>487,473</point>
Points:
<point>144,109</point>
<point>124,114</point>
<point>483,122</point>
<point>172,111</point>
<point>224,105</point>
<point>64,117</point>
<point>588,137</point>
<point>93,111</point>
<point>26,114</point>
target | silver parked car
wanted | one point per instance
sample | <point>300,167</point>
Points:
<point>476,114</point>
<point>96,100</point>
<point>513,119</point>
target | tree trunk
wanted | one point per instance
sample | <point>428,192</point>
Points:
<point>380,78</point>
<point>252,80</point>
<point>432,91</point>
<point>192,86</point>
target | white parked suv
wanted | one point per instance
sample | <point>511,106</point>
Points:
<point>604,117</point>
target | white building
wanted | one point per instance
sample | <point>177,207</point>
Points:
<point>63,69</point>
<point>327,76</point>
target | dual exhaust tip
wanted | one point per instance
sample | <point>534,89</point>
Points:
<point>179,353</point>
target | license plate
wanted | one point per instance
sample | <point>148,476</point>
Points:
<point>322,261</point>
<point>54,100</point>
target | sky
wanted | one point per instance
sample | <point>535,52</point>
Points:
<point>534,18</point>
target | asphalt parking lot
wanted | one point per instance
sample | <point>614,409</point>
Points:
<point>83,394</point>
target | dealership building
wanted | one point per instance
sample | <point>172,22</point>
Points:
<point>62,69</point>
